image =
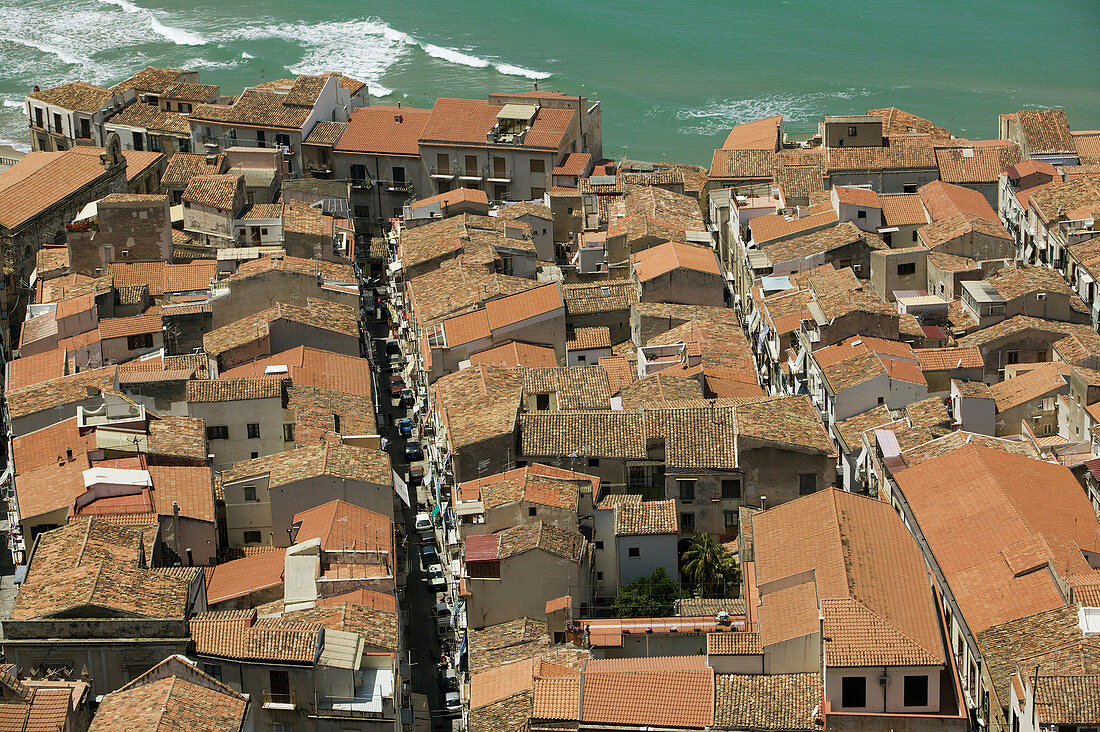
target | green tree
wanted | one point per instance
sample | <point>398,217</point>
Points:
<point>709,567</point>
<point>647,597</point>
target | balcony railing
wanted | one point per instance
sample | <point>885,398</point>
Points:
<point>279,701</point>
<point>442,172</point>
<point>353,706</point>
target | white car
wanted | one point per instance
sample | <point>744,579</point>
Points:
<point>434,569</point>
<point>423,522</point>
<point>437,581</point>
<point>453,701</point>
<point>442,616</point>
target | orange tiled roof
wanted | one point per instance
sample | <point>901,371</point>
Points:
<point>240,577</point>
<point>1046,131</point>
<point>467,121</point>
<point>240,635</point>
<point>664,258</point>
<point>880,610</point>
<point>384,130</point>
<point>647,517</point>
<point>993,494</point>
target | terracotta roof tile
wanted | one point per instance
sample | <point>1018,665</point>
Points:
<point>250,639</point>
<point>479,403</point>
<point>240,577</point>
<point>77,96</point>
<point>321,314</point>
<point>468,121</point>
<point>1046,131</point>
<point>767,702</point>
<point>993,494</point>
<point>171,703</point>
<point>43,179</point>
<point>234,389</point>
<point>647,517</point>
<point>518,539</point>
<point>376,129</point>
<point>899,122</point>
<point>664,258</point>
<point>303,463</point>
<point>663,698</point>
<point>1041,381</point>
<point>824,240</point>
<point>516,353</point>
<point>946,359</point>
<point>223,192</point>
<point>601,297</point>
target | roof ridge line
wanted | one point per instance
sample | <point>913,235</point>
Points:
<point>895,628</point>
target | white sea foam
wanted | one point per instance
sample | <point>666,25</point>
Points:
<point>367,49</point>
<point>797,108</point>
<point>176,35</point>
<point>206,63</point>
<point>14,103</point>
<point>246,54</point>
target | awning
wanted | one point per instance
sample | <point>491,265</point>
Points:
<point>401,488</point>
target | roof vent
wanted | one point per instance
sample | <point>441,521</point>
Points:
<point>399,118</point>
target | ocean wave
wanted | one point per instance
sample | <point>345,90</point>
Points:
<point>367,49</point>
<point>178,36</point>
<point>15,104</point>
<point>206,63</point>
<point>797,108</point>
<point>39,45</point>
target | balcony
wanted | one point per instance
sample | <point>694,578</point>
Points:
<point>442,173</point>
<point>472,174</point>
<point>318,169</point>
<point>279,701</point>
<point>499,175</point>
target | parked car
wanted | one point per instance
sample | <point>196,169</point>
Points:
<point>413,451</point>
<point>443,621</point>
<point>396,385</point>
<point>448,679</point>
<point>405,426</point>
<point>416,474</point>
<point>423,522</point>
<point>437,581</point>
<point>428,554</point>
<point>407,397</point>
<point>433,568</point>
<point>453,701</point>
<point>393,348</point>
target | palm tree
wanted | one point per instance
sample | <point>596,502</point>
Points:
<point>708,565</point>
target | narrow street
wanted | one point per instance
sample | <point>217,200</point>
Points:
<point>418,600</point>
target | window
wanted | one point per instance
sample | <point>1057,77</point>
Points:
<point>154,143</point>
<point>1012,357</point>
<point>634,551</point>
<point>731,519</point>
<point>85,128</point>
<point>853,692</point>
<point>916,691</point>
<point>542,402</point>
<point>139,141</point>
<point>687,489</point>
<point>909,188</point>
<point>281,138</point>
<point>881,400</point>
<point>253,431</point>
<point>141,340</point>
<point>599,544</point>
<point>398,174</point>
<point>252,537</point>
<point>731,489</point>
<point>914,235</point>
<point>217,432</point>
<point>538,165</point>
<point>599,576</point>
<point>807,483</point>
<point>185,107</point>
<point>532,511</point>
<point>852,132</point>
<point>250,493</point>
<point>213,669</point>
<point>593,462</point>
<point>907,268</point>
<point>288,433</point>
<point>471,165</point>
<point>38,117</point>
<point>56,122</point>
<point>537,193</point>
<point>687,521</point>
<point>861,214</point>
<point>443,161</point>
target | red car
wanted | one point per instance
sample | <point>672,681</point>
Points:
<point>396,385</point>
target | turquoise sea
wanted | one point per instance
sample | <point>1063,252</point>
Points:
<point>672,76</point>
